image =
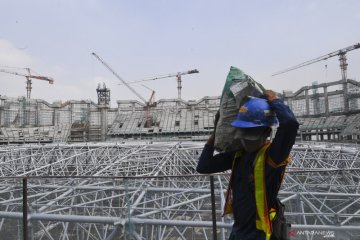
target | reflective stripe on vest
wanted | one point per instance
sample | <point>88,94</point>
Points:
<point>262,213</point>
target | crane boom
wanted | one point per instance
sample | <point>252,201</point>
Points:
<point>341,53</point>
<point>118,77</point>
<point>164,76</point>
<point>177,75</point>
<point>50,80</point>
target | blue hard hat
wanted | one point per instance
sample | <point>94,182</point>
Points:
<point>256,112</point>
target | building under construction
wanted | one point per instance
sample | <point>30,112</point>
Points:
<point>326,112</point>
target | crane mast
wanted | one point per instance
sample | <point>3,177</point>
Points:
<point>152,97</point>
<point>28,79</point>
<point>150,103</point>
<point>342,58</point>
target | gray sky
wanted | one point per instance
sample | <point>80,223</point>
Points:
<point>140,39</point>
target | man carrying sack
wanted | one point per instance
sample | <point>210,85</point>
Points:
<point>257,168</point>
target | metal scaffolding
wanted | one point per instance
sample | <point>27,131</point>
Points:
<point>151,191</point>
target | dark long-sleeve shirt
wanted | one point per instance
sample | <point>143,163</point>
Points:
<point>243,200</point>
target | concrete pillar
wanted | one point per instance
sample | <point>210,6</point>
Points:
<point>25,112</point>
<point>346,97</point>
<point>326,99</point>
<point>103,122</point>
<point>307,99</point>
<point>56,116</point>
<point>88,114</point>
<point>71,113</point>
<point>37,115</point>
<point>1,116</point>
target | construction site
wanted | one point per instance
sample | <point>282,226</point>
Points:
<point>84,170</point>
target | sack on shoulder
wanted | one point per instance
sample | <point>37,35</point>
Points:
<point>237,86</point>
<point>279,225</point>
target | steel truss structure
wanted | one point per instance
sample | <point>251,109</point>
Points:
<point>152,191</point>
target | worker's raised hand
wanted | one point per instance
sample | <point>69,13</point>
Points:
<point>270,95</point>
<point>211,139</point>
<point>217,116</point>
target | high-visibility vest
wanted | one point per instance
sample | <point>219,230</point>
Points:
<point>263,215</point>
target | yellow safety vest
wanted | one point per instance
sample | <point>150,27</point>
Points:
<point>263,215</point>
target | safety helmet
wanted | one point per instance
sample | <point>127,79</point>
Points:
<point>255,112</point>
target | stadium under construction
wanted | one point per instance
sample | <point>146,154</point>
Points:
<point>84,170</point>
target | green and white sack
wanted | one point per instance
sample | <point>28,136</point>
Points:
<point>237,86</point>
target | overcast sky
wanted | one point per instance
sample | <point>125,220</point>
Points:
<point>140,39</point>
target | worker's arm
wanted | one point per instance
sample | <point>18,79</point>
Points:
<point>286,132</point>
<point>210,163</point>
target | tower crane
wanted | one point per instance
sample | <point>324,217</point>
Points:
<point>118,77</point>
<point>177,75</point>
<point>28,79</point>
<point>342,58</point>
<point>148,104</point>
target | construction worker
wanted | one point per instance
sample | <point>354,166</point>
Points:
<point>257,169</point>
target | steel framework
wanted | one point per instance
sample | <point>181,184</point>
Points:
<point>151,191</point>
